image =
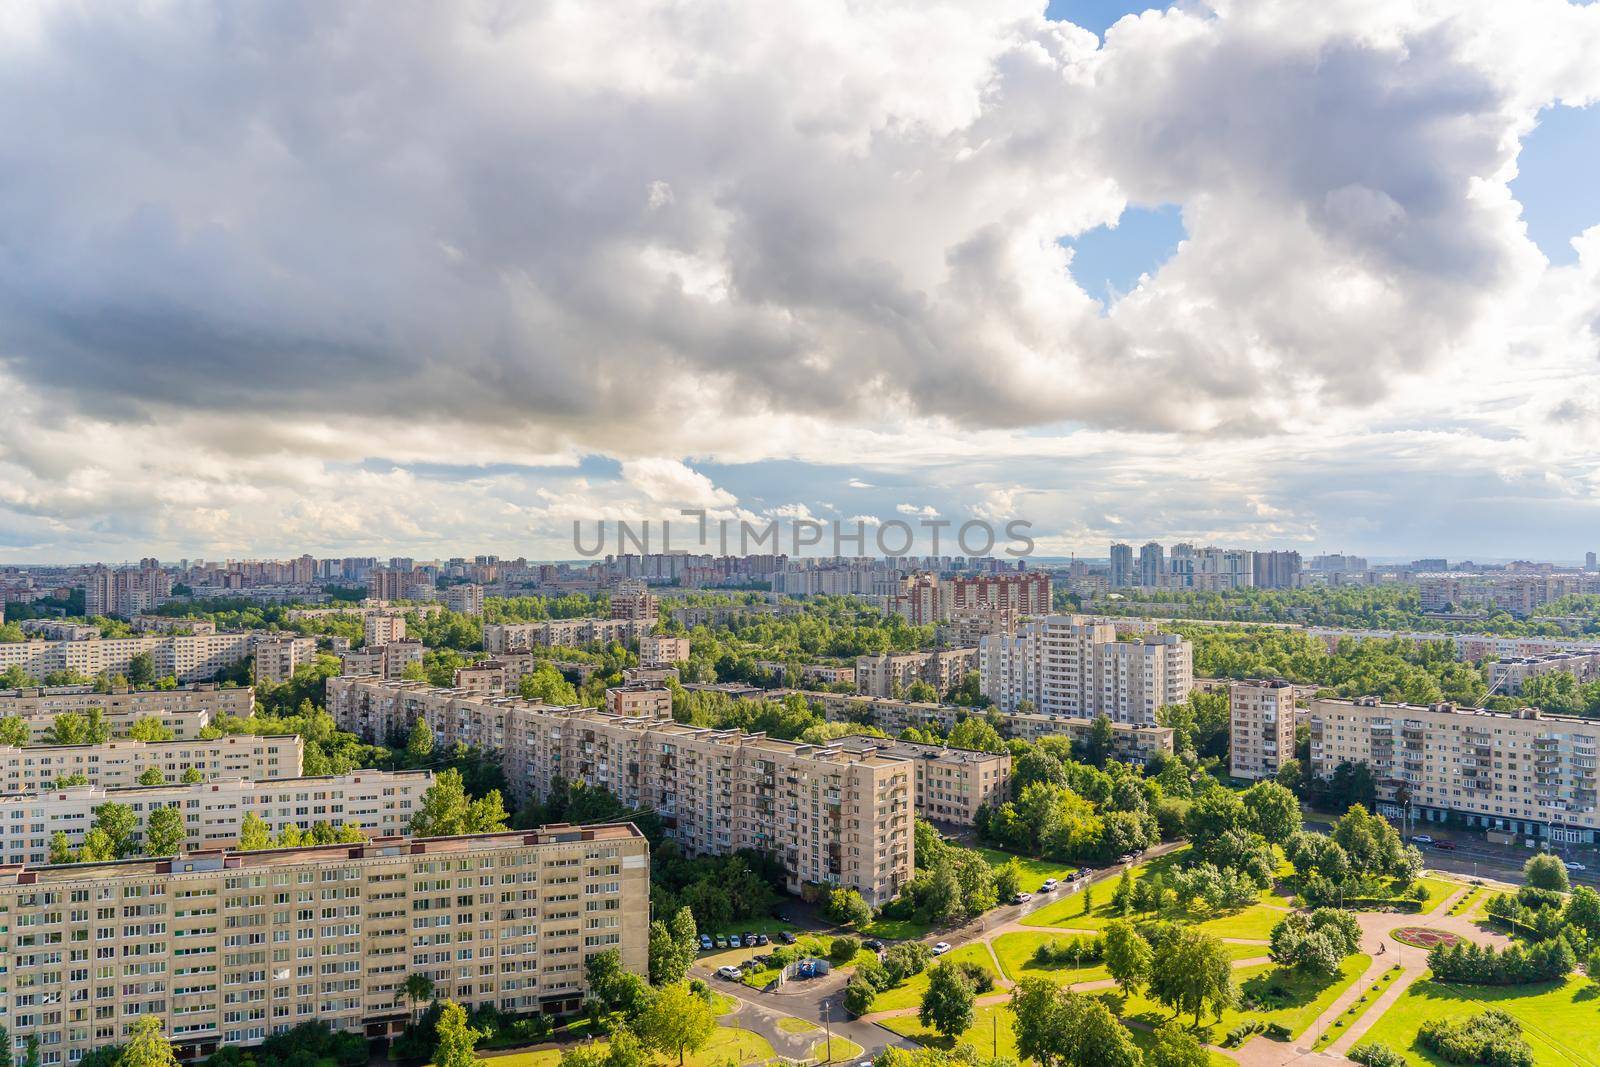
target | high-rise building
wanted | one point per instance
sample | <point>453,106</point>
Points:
<point>1073,665</point>
<point>1588,561</point>
<point>662,651</point>
<point>1121,566</point>
<point>1261,738</point>
<point>380,628</point>
<point>279,655</point>
<point>1152,565</point>
<point>228,947</point>
<point>1277,570</point>
<point>466,598</point>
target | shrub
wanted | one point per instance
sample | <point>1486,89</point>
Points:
<point>977,974</point>
<point>906,960</point>
<point>1473,964</point>
<point>843,949</point>
<point>1493,1039</point>
<point>1061,951</point>
<point>1238,1034</point>
<point>858,997</point>
<point>1376,1054</point>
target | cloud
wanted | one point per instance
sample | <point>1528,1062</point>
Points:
<point>261,264</point>
<point>926,511</point>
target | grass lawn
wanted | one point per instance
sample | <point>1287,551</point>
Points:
<point>722,1004</point>
<point>790,1025</point>
<point>1308,999</point>
<point>1034,872</point>
<point>1354,1012</point>
<point>896,929</point>
<point>1015,952</point>
<point>991,1028</point>
<point>909,995</point>
<point>839,1050</point>
<point>1146,1040</point>
<point>1438,890</point>
<point>1068,913</point>
<point>1558,1020</point>
<point>729,1044</point>
<point>1254,923</point>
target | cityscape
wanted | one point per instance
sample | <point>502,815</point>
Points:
<point>876,533</point>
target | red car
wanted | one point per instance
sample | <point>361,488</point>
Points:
<point>1445,846</point>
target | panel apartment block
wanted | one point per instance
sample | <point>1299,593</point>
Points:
<point>1262,734</point>
<point>118,764</point>
<point>185,711</point>
<point>228,947</point>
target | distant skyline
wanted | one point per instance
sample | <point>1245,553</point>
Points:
<point>1309,274</point>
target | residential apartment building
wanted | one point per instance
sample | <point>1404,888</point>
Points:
<point>126,591</point>
<point>633,600</point>
<point>382,628</point>
<point>466,598</point>
<point>812,673</point>
<point>381,661</point>
<point>660,650</point>
<point>229,947</point>
<point>278,656</point>
<point>502,637</point>
<point>1519,594</point>
<point>185,711</point>
<point>172,624</point>
<point>118,764</point>
<point>891,673</point>
<point>1262,734</point>
<point>399,583</point>
<point>1524,772</point>
<point>379,803</point>
<point>829,815</point>
<point>926,599</point>
<point>1072,665</point>
<point>639,701</point>
<point>1130,742</point>
<point>1506,676</point>
<point>951,783</point>
<point>190,657</point>
<point>653,676</point>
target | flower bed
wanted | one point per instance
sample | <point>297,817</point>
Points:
<point>1424,936</point>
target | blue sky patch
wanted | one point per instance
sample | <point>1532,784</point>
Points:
<point>1107,262</point>
<point>1096,16</point>
<point>1556,180</point>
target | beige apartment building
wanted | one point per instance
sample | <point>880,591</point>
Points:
<point>830,816</point>
<point>382,661</point>
<point>1261,739</point>
<point>382,628</point>
<point>639,701</point>
<point>191,657</point>
<point>1507,676</point>
<point>467,599</point>
<point>380,803</point>
<point>227,948</point>
<point>172,624</point>
<point>951,783</point>
<point>503,637</point>
<point>1133,743</point>
<point>278,656</point>
<point>660,650</point>
<point>185,710</point>
<point>1523,772</point>
<point>118,764</point>
<point>891,673</point>
<point>652,676</point>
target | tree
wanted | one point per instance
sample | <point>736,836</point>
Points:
<point>1101,738</point>
<point>193,776</point>
<point>150,728</point>
<point>445,809</point>
<point>1127,955</point>
<point>676,1021</point>
<point>1008,881</point>
<point>947,1002</point>
<point>1271,810</point>
<point>5,1047</point>
<point>664,968</point>
<point>486,814</point>
<point>847,907</point>
<point>30,1053</point>
<point>419,746</point>
<point>68,728</point>
<point>165,832</point>
<point>1190,971</point>
<point>1176,1047</point>
<point>858,996</point>
<point>975,734</point>
<point>1056,1027</point>
<point>253,833</point>
<point>1545,871</point>
<point>147,1046</point>
<point>686,937</point>
<point>152,776</point>
<point>417,989</point>
<point>14,733</point>
<point>1291,775</point>
<point>546,684</point>
<point>142,669</point>
<point>457,1040</point>
<point>118,823</point>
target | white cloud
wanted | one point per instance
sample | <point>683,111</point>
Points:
<point>926,511</point>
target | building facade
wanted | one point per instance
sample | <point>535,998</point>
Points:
<point>118,764</point>
<point>1261,740</point>
<point>1073,665</point>
<point>891,673</point>
<point>227,948</point>
<point>189,657</point>
<point>505,637</point>
<point>660,650</point>
<point>466,598</point>
<point>185,711</point>
<point>278,656</point>
<point>382,628</point>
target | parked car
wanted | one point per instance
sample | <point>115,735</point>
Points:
<point>1083,872</point>
<point>1574,865</point>
<point>1445,846</point>
<point>1049,885</point>
<point>1022,898</point>
<point>721,942</point>
<point>706,944</point>
<point>787,937</point>
<point>732,974</point>
<point>762,939</point>
<point>873,944</point>
<point>749,940</point>
<point>1421,839</point>
<point>941,948</point>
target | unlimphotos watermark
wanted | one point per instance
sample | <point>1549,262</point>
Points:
<point>836,537</point>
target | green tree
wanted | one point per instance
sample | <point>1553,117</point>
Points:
<point>14,733</point>
<point>858,996</point>
<point>193,776</point>
<point>847,907</point>
<point>150,728</point>
<point>142,669</point>
<point>676,1022</point>
<point>61,850</point>
<point>5,1047</point>
<point>418,989</point>
<point>30,1052</point>
<point>1546,871</point>
<point>663,956</point>
<point>152,776</point>
<point>977,735</point>
<point>947,1002</point>
<point>457,1040</point>
<point>147,1046</point>
<point>165,832</point>
<point>547,684</point>
<point>253,833</point>
<point>1271,811</point>
<point>68,728</point>
<point>118,822</point>
<point>1190,971</point>
<point>419,746</point>
<point>1176,1047</point>
<point>1128,955</point>
<point>1008,880</point>
<point>1101,738</point>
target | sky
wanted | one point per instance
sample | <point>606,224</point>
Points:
<point>431,278</point>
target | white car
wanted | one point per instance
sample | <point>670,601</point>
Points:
<point>1049,885</point>
<point>732,974</point>
<point>941,948</point>
<point>1574,865</point>
<point>1421,839</point>
<point>1022,898</point>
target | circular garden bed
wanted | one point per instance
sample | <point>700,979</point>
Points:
<point>1424,936</point>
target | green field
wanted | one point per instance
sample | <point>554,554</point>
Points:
<point>1352,1014</point>
<point>791,1025</point>
<point>1068,913</point>
<point>896,929</point>
<point>1015,952</point>
<point>1559,1021</point>
<point>1034,871</point>
<point>838,1050</point>
<point>1308,998</point>
<point>728,1044</point>
<point>991,1029</point>
<point>909,995</point>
